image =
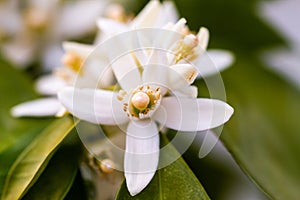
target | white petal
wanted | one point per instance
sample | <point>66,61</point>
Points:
<point>285,62</point>
<point>179,26</point>
<point>148,16</point>
<point>213,62</point>
<point>126,72</point>
<point>179,82</point>
<point>92,105</point>
<point>187,114</point>
<point>172,34</point>
<point>109,27</point>
<point>78,18</point>
<point>187,71</point>
<point>82,50</point>
<point>141,155</point>
<point>51,57</point>
<point>283,16</point>
<point>203,38</point>
<point>96,73</point>
<point>37,108</point>
<point>10,19</point>
<point>156,70</point>
<point>171,78</point>
<point>49,84</point>
<point>168,13</point>
<point>158,57</point>
<point>20,51</point>
<point>189,91</point>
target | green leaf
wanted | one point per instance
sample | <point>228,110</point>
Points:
<point>263,135</point>
<point>176,181</point>
<point>15,134</point>
<point>33,159</point>
<point>15,88</point>
<point>58,177</point>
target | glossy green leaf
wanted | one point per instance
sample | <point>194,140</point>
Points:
<point>176,181</point>
<point>263,135</point>
<point>31,161</point>
<point>15,134</point>
<point>58,177</point>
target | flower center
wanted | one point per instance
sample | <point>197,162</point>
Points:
<point>142,102</point>
<point>73,61</point>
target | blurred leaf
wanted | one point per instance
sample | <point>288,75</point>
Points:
<point>58,177</point>
<point>33,159</point>
<point>15,134</point>
<point>232,24</point>
<point>176,181</point>
<point>15,88</point>
<point>263,135</point>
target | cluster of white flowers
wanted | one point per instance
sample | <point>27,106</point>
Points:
<point>36,28</point>
<point>142,90</point>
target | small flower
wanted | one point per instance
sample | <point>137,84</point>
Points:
<point>67,75</point>
<point>191,47</point>
<point>164,15</point>
<point>37,28</point>
<point>147,100</point>
<point>153,15</point>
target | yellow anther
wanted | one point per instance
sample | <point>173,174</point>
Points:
<point>157,95</point>
<point>72,60</point>
<point>120,98</point>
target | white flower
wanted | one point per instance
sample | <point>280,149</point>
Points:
<point>284,15</point>
<point>74,57</point>
<point>38,27</point>
<point>157,15</point>
<point>49,85</point>
<point>191,47</point>
<point>153,94</point>
<point>153,15</point>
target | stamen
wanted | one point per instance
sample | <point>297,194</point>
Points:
<point>185,48</point>
<point>72,60</point>
<point>137,62</point>
<point>142,102</point>
<point>121,96</point>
